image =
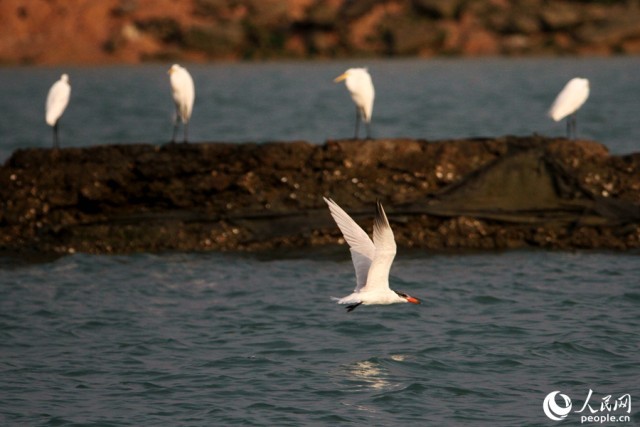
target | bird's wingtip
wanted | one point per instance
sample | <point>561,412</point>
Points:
<point>380,211</point>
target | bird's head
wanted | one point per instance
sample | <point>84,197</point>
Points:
<point>409,298</point>
<point>341,77</point>
<point>351,72</point>
<point>173,69</point>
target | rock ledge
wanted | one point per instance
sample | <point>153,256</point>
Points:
<point>483,193</point>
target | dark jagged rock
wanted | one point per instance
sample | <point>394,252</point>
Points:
<point>480,193</point>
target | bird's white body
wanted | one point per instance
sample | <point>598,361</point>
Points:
<point>379,297</point>
<point>183,90</point>
<point>57,100</point>
<point>359,84</point>
<point>570,99</point>
<point>184,94</point>
<point>371,259</point>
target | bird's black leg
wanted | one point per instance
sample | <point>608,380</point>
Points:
<point>186,131</point>
<point>574,125</point>
<point>175,131</point>
<point>352,307</point>
<point>56,143</point>
<point>357,123</point>
<point>368,127</point>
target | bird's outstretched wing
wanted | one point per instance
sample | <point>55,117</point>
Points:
<point>361,246</point>
<point>385,252</point>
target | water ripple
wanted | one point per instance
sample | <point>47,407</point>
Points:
<point>95,344</point>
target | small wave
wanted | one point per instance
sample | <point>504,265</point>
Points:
<point>574,348</point>
<point>631,296</point>
<point>489,299</point>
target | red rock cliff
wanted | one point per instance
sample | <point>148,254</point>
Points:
<point>130,31</point>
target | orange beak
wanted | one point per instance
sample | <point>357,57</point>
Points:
<point>413,300</point>
<point>340,78</point>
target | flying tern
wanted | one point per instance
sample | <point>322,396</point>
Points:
<point>371,259</point>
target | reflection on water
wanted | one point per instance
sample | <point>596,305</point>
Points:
<point>371,373</point>
<point>398,357</point>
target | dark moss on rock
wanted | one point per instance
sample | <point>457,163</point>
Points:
<point>485,193</point>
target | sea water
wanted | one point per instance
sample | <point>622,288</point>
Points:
<point>195,339</point>
<point>223,339</point>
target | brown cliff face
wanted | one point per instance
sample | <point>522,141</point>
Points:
<point>478,194</point>
<point>130,31</point>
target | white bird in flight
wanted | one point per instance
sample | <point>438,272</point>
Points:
<point>371,259</point>
<point>57,101</point>
<point>359,84</point>
<point>568,101</point>
<point>184,94</point>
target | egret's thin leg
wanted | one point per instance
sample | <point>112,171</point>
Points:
<point>186,131</point>
<point>569,127</point>
<point>175,131</point>
<point>368,127</point>
<point>56,143</point>
<point>357,123</point>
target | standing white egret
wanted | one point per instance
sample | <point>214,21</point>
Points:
<point>183,95</point>
<point>57,101</point>
<point>568,101</point>
<point>359,84</point>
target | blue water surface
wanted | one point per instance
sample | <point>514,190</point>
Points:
<point>222,339</point>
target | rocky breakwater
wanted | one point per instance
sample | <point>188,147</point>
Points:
<point>507,192</point>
